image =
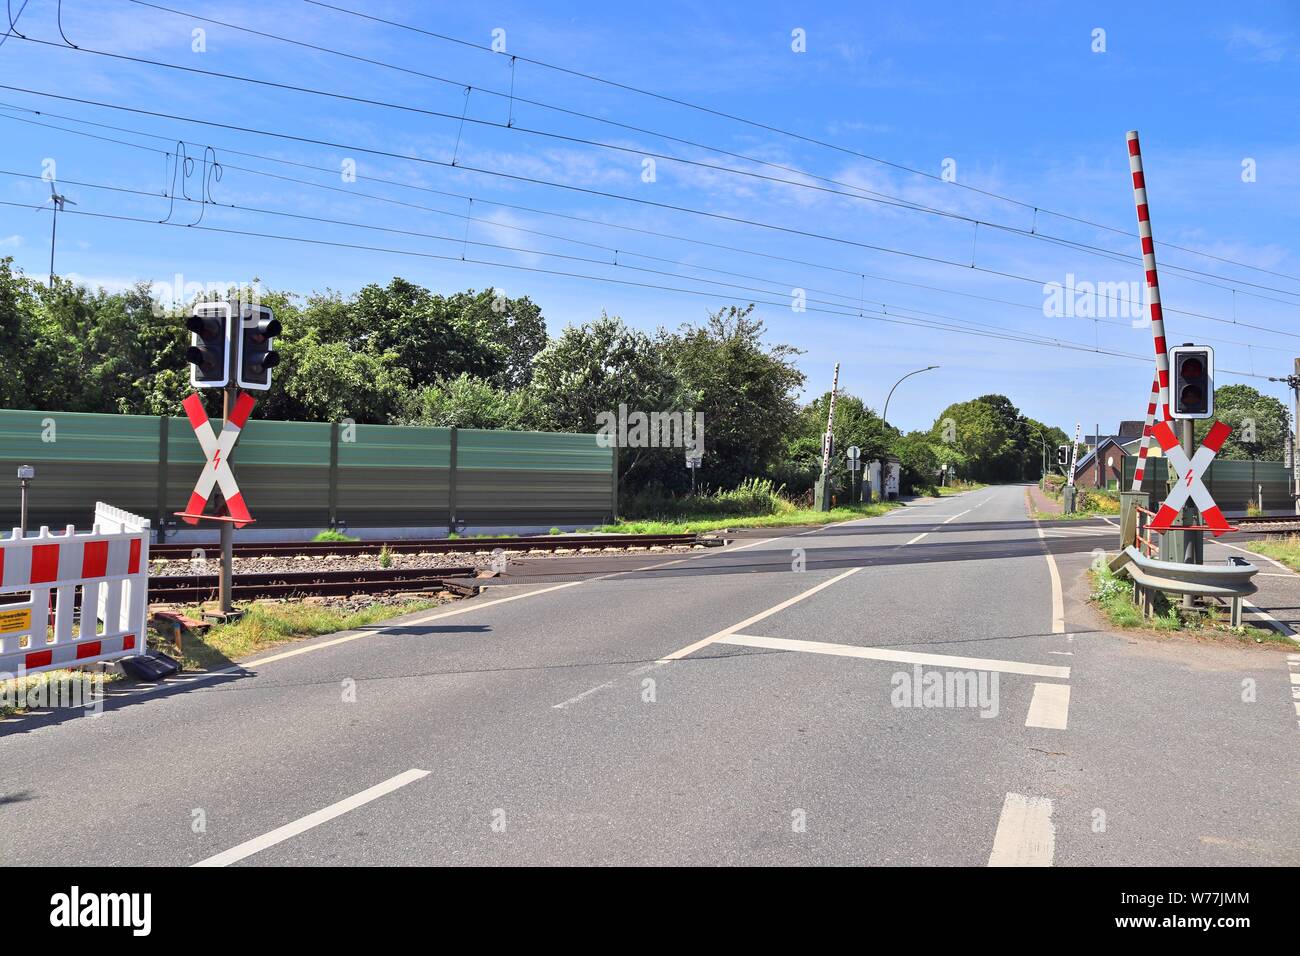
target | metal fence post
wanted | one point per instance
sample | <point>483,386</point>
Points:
<point>451,483</point>
<point>613,488</point>
<point>164,426</point>
<point>334,476</point>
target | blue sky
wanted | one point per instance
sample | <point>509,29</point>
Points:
<point>1011,97</point>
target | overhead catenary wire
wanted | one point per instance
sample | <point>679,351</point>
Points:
<point>873,317</point>
<point>424,160</point>
<point>787,284</point>
<point>1037,208</point>
<point>1188,274</point>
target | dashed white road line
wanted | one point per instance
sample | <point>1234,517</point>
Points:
<point>302,825</point>
<point>1026,835</point>
<point>894,655</point>
<point>1049,707</point>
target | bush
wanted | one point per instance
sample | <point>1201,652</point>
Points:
<point>333,536</point>
<point>753,496</point>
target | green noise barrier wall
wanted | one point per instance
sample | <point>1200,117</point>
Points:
<point>308,474</point>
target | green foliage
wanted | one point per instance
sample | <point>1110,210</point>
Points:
<point>1250,414</point>
<point>987,439</point>
<point>744,389</point>
<point>470,402</point>
<point>330,535</point>
<point>754,496</point>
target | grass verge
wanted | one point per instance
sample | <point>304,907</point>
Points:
<point>1286,550</point>
<point>1113,596</point>
<point>784,518</point>
<point>266,625</point>
<point>946,491</point>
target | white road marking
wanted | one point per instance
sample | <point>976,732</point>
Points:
<point>692,648</point>
<point>280,834</point>
<point>585,694</point>
<point>896,656</point>
<point>958,515</point>
<point>1254,554</point>
<point>1049,707</point>
<point>1058,601</point>
<point>918,537</point>
<point>752,544</point>
<point>1026,836</point>
<point>1283,629</point>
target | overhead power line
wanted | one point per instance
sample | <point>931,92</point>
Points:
<point>1006,335</point>
<point>1098,296</point>
<point>879,198</point>
<point>859,299</point>
<point>757,124</point>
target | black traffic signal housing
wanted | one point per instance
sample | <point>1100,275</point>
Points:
<point>255,356</point>
<point>1191,381</point>
<point>209,351</point>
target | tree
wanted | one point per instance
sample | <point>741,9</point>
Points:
<point>1259,424</point>
<point>855,424</point>
<point>469,402</point>
<point>745,390</point>
<point>596,367</point>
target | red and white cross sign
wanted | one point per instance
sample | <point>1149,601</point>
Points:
<point>217,451</point>
<point>1190,477</point>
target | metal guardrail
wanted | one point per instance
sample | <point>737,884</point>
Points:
<point>1230,581</point>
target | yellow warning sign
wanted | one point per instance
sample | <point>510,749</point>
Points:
<point>13,621</point>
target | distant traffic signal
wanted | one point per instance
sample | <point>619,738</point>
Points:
<point>208,354</point>
<point>255,357</point>
<point>1191,389</point>
<point>1063,455</point>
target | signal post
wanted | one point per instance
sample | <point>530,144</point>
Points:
<point>231,348</point>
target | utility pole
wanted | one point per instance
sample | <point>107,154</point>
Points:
<point>58,200</point>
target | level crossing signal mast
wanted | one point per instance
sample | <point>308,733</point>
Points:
<point>255,356</point>
<point>1192,388</point>
<point>208,354</point>
<point>232,344</point>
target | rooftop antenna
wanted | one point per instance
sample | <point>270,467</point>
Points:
<point>58,200</point>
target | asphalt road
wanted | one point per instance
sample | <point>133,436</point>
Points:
<point>747,705</point>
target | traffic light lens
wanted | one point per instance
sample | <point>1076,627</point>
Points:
<point>1193,399</point>
<point>1192,368</point>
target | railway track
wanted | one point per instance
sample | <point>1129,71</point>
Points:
<point>1281,524</point>
<point>196,588</point>
<point>435,545</point>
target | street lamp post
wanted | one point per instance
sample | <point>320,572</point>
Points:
<point>884,417</point>
<point>25,475</point>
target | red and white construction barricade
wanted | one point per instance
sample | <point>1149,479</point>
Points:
<point>109,567</point>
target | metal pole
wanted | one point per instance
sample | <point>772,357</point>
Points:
<point>1096,455</point>
<point>830,423</point>
<point>53,229</point>
<point>226,580</point>
<point>22,508</point>
<point>884,415</point>
<point>1191,515</point>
